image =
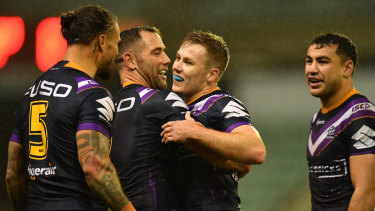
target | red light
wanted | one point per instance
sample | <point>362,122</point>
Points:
<point>12,36</point>
<point>50,45</point>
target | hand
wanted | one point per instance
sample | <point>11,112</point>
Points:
<point>245,170</point>
<point>180,131</point>
<point>129,207</point>
<point>241,169</point>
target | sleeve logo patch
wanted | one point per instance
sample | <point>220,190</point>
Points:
<point>178,101</point>
<point>235,110</point>
<point>365,138</point>
<point>107,109</point>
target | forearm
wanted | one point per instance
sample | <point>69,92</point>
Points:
<point>205,153</point>
<point>362,201</point>
<point>362,171</point>
<point>16,176</point>
<point>240,169</point>
<point>106,185</point>
<point>16,187</point>
<point>101,176</point>
<point>217,161</point>
<point>241,147</point>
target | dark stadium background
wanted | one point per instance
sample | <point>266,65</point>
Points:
<point>268,42</point>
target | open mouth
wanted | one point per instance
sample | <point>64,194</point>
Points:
<point>162,74</point>
<point>178,78</point>
<point>314,81</point>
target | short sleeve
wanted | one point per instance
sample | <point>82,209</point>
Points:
<point>362,136</point>
<point>175,107</point>
<point>231,114</point>
<point>95,111</point>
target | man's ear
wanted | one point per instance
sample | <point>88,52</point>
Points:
<point>130,60</point>
<point>213,74</point>
<point>348,68</point>
<point>102,41</point>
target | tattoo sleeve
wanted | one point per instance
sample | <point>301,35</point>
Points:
<point>101,175</point>
<point>16,175</point>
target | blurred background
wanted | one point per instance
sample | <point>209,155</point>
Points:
<point>268,40</point>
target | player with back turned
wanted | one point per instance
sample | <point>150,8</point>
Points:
<point>341,145</point>
<point>59,150</point>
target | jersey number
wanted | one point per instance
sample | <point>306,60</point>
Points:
<point>37,127</point>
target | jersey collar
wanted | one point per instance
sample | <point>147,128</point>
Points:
<point>75,66</point>
<point>211,90</point>
<point>129,83</point>
<point>340,102</point>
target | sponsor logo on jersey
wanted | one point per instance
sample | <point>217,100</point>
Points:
<point>125,104</point>
<point>331,132</point>
<point>48,88</point>
<point>360,106</point>
<point>146,93</point>
<point>107,109</point>
<point>316,144</point>
<point>235,110</point>
<point>365,137</point>
<point>86,83</point>
<point>178,101</point>
<point>320,122</point>
<point>334,168</point>
<point>41,171</point>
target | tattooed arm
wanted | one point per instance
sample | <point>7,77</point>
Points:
<point>16,175</point>
<point>101,175</point>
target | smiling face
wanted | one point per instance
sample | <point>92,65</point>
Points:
<point>152,61</point>
<point>191,71</point>
<point>326,73</point>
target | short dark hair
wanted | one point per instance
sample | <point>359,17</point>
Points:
<point>217,49</point>
<point>346,48</point>
<point>132,35</point>
<point>83,24</point>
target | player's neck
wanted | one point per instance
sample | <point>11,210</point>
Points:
<point>132,76</point>
<point>190,99</point>
<point>82,56</point>
<point>337,98</point>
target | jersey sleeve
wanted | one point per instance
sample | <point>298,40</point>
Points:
<point>15,137</point>
<point>229,114</point>
<point>175,107</point>
<point>21,118</point>
<point>95,111</point>
<point>362,136</point>
<point>164,106</point>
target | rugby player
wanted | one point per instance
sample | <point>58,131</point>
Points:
<point>59,150</point>
<point>142,107</point>
<point>147,168</point>
<point>341,145</point>
<point>225,128</point>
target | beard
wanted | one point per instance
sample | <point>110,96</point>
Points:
<point>105,71</point>
<point>104,74</point>
<point>161,85</point>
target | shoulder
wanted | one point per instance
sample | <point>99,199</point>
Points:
<point>165,99</point>
<point>220,102</point>
<point>358,107</point>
